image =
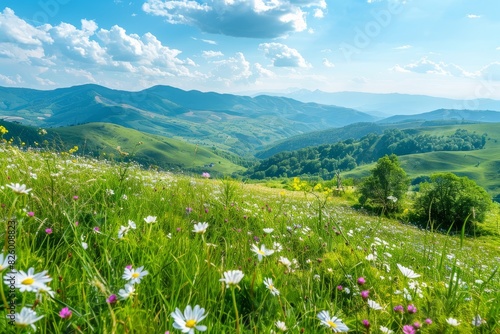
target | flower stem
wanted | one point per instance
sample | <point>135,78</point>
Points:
<point>236,312</point>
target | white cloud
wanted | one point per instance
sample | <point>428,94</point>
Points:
<point>491,72</point>
<point>283,56</point>
<point>208,41</point>
<point>473,16</point>
<point>403,47</point>
<point>239,18</point>
<point>426,66</point>
<point>9,80</point>
<point>212,54</point>
<point>121,46</point>
<point>328,63</point>
<point>264,72</point>
<point>15,30</point>
<point>232,70</point>
<point>318,13</point>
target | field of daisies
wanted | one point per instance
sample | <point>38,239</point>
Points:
<point>90,246</point>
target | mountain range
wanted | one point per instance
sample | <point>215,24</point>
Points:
<point>243,125</point>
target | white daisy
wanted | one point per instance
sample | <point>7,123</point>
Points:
<point>188,321</point>
<point>374,305</point>
<point>268,282</point>
<point>386,330</point>
<point>281,326</point>
<point>134,275</point>
<point>200,227</point>
<point>285,261</point>
<point>263,251</point>
<point>407,272</point>
<point>150,219</point>
<point>27,317</point>
<point>4,261</point>
<point>232,277</point>
<point>268,230</point>
<point>29,281</point>
<point>127,291</point>
<point>334,323</point>
<point>19,188</point>
<point>453,322</point>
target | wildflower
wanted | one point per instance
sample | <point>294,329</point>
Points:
<point>285,261</point>
<point>407,272</point>
<point>127,291</point>
<point>361,281</point>
<point>268,282</point>
<point>428,321</point>
<point>188,321</point>
<point>111,299</point>
<point>150,219</point>
<point>189,210</point>
<point>340,288</point>
<point>453,322</point>
<point>134,276</point>
<point>85,245</point>
<point>44,290</point>
<point>316,277</point>
<point>30,281</point>
<point>408,329</point>
<point>392,198</point>
<point>268,230</point>
<point>19,188</point>
<point>31,214</point>
<point>412,308</point>
<point>200,228</point>
<point>232,277</point>
<point>277,247</point>
<point>374,305</point>
<point>281,326</point>
<point>364,294</point>
<point>399,309</point>
<point>366,323</point>
<point>65,313</point>
<point>4,261</point>
<point>334,323</point>
<point>477,321</point>
<point>27,317</point>
<point>417,325</point>
<point>263,251</point>
<point>110,192</point>
<point>386,330</point>
<point>205,175</point>
<point>75,198</point>
<point>48,230</point>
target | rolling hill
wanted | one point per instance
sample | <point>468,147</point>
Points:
<point>102,139</point>
<point>239,124</point>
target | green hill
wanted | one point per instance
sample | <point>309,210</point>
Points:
<point>102,139</point>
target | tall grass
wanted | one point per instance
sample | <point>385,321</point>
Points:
<point>69,225</point>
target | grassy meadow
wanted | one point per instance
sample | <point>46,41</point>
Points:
<point>110,248</point>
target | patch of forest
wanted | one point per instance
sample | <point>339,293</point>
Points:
<point>325,160</point>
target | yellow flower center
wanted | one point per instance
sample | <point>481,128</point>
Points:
<point>28,281</point>
<point>135,275</point>
<point>261,252</point>
<point>331,324</point>
<point>191,323</point>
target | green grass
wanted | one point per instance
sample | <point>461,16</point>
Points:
<point>325,240</point>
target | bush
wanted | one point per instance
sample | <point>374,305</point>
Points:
<point>451,201</point>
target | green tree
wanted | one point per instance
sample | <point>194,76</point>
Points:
<point>385,188</point>
<point>451,201</point>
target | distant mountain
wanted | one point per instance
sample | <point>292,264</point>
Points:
<point>240,124</point>
<point>447,116</point>
<point>390,104</point>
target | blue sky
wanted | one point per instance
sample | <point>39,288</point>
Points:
<point>447,48</point>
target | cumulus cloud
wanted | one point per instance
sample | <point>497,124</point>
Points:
<point>283,56</point>
<point>232,70</point>
<point>81,52</point>
<point>473,16</point>
<point>15,30</point>
<point>426,66</point>
<point>239,18</point>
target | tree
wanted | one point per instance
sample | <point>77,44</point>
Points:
<point>451,201</point>
<point>386,186</point>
